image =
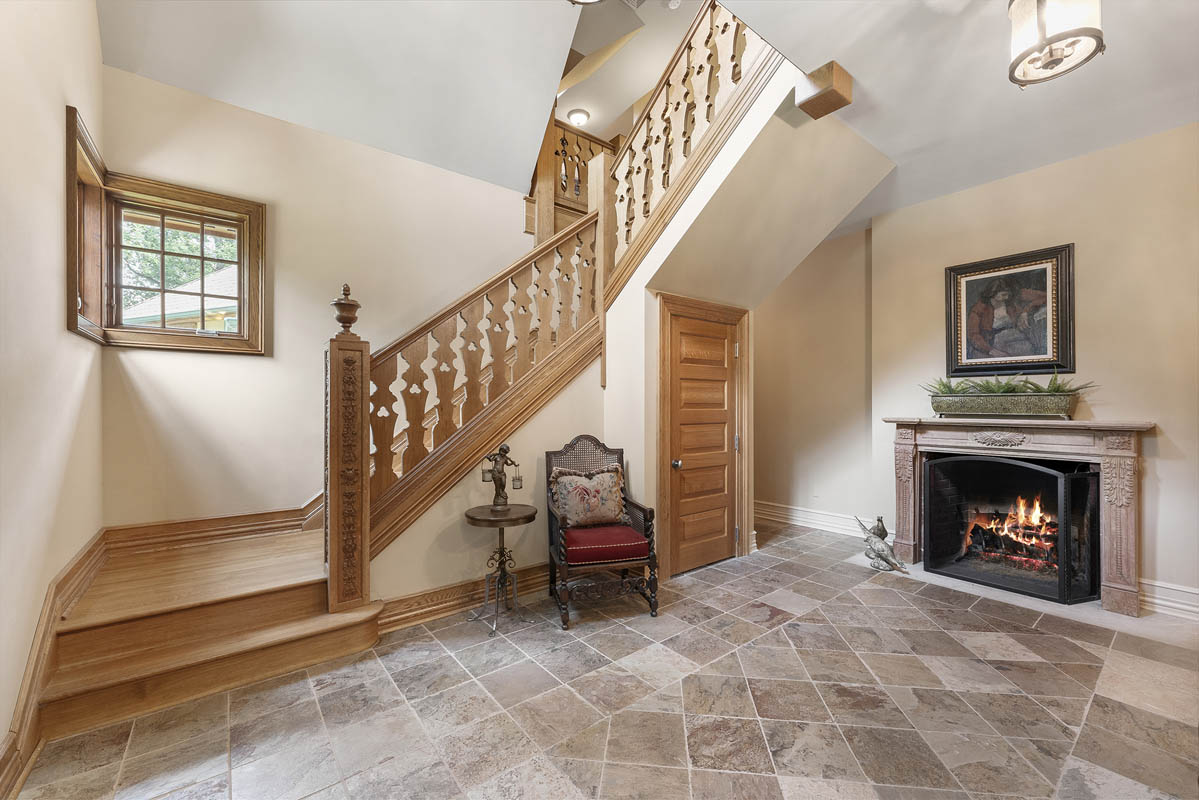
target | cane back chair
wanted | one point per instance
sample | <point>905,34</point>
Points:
<point>587,550</point>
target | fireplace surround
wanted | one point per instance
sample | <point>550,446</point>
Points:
<point>1110,450</point>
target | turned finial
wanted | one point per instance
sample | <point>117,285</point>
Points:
<point>347,308</point>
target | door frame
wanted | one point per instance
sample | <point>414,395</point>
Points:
<point>671,305</point>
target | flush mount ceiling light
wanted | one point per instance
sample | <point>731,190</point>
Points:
<point>1052,37</point>
<point>584,2</point>
<point>577,117</point>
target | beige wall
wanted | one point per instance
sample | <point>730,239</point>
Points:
<point>201,434</point>
<point>1131,211</point>
<point>440,548</point>
<point>812,384</point>
<point>50,385</point>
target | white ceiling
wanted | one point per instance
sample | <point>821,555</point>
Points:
<point>466,85</point>
<point>931,89</point>
<point>635,68</point>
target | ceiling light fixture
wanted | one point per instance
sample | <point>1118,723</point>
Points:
<point>1052,37</point>
<point>584,2</point>
<point>577,117</point>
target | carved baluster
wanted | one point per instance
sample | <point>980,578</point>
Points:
<point>586,269</point>
<point>415,397</point>
<point>689,73</point>
<point>522,322</point>
<point>347,461</point>
<point>497,339</point>
<point>568,282</point>
<point>383,424</point>
<point>667,135</point>
<point>712,59</point>
<point>545,305</point>
<point>443,378</point>
<point>647,165</point>
<point>630,204</point>
<point>738,49</point>
<point>472,359</point>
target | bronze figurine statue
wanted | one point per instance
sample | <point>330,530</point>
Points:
<point>881,556</point>
<point>495,474</point>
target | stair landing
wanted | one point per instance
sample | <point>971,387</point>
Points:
<point>135,583</point>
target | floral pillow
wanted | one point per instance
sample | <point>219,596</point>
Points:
<point>589,498</point>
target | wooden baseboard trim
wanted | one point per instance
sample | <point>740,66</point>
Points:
<point>24,738</point>
<point>204,530</point>
<point>412,609</point>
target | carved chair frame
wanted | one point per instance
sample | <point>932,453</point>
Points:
<point>585,453</point>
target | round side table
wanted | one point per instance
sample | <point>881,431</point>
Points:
<point>501,561</point>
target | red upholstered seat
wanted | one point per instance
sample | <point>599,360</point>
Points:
<point>604,543</point>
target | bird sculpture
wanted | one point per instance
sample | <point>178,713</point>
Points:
<point>881,556</point>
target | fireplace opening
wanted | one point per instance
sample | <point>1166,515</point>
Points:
<point>1024,525</point>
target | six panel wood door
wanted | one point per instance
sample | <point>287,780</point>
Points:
<point>703,414</point>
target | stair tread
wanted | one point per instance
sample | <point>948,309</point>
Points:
<point>139,583</point>
<point>121,668</point>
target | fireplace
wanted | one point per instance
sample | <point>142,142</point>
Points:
<point>1026,525</point>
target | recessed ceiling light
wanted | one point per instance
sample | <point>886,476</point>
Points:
<point>1052,37</point>
<point>577,117</point>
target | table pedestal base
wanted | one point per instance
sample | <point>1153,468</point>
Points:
<point>497,583</point>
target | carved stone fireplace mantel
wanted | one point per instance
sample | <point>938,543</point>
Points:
<point>1112,447</point>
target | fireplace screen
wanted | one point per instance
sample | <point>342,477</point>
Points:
<point>1025,526</point>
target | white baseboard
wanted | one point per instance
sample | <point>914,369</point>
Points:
<point>1170,598</point>
<point>809,517</point>
<point>1156,596</point>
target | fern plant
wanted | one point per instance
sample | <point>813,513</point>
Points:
<point>1016,384</point>
<point>945,386</point>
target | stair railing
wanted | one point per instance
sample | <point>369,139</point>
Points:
<point>443,395</point>
<point>713,78</point>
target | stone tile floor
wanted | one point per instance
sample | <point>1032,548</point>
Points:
<point>790,673</point>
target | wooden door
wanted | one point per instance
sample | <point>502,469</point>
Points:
<point>701,426</point>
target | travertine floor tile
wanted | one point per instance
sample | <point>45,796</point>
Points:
<point>810,750</point>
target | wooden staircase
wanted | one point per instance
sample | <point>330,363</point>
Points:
<point>163,624</point>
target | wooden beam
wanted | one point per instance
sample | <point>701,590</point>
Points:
<point>829,88</point>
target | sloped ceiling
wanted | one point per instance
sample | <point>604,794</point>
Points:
<point>466,85</point>
<point>931,89</point>
<point>795,183</point>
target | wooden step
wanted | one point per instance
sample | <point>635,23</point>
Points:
<point>98,642</point>
<point>100,692</point>
<point>135,583</point>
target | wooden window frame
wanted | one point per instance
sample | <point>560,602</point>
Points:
<point>95,198</point>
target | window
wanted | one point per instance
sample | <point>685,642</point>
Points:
<point>155,265</point>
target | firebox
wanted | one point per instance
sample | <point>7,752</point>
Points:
<point>1024,525</point>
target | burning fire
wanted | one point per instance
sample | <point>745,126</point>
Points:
<point>1027,536</point>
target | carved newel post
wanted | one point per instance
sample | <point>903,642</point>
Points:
<point>347,460</point>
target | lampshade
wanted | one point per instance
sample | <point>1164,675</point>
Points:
<point>1052,37</point>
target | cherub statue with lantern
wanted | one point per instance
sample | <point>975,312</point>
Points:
<point>495,475</point>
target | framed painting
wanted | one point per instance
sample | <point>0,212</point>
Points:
<point>1011,315</point>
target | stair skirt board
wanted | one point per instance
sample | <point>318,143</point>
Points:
<point>413,609</point>
<point>24,738</point>
<point>111,704</point>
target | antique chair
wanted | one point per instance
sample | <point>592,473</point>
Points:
<point>579,550</point>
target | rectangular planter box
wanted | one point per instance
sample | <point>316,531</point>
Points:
<point>1004,405</point>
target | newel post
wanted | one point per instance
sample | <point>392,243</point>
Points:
<point>347,460</point>
<point>601,195</point>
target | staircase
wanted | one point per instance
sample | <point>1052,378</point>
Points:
<point>162,624</point>
<point>180,610</point>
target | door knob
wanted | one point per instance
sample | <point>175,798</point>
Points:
<point>677,463</point>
